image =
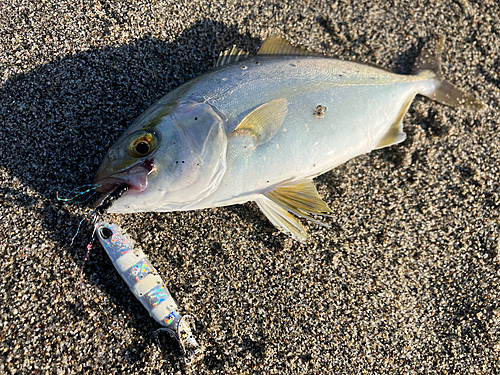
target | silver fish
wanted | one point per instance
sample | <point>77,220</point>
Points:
<point>148,287</point>
<point>261,128</point>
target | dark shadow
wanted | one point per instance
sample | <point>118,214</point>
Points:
<point>217,358</point>
<point>403,62</point>
<point>59,120</point>
<point>256,348</point>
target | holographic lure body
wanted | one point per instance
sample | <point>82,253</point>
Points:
<point>148,287</point>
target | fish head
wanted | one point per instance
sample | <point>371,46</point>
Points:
<point>170,162</point>
<point>130,160</point>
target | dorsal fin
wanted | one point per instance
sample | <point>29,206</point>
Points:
<point>264,122</point>
<point>274,45</point>
<point>372,64</point>
<point>229,56</point>
<point>395,133</point>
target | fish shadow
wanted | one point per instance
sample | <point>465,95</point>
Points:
<point>59,119</point>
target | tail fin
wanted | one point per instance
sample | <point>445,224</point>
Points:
<point>444,93</point>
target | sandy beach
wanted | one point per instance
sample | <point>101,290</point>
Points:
<point>404,281</point>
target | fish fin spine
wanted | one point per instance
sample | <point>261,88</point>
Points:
<point>281,218</point>
<point>229,56</point>
<point>429,63</point>
<point>301,198</point>
<point>298,197</point>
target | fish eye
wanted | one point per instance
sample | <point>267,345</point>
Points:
<point>106,233</point>
<point>142,148</point>
<point>142,144</point>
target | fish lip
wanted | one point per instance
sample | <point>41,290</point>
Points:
<point>136,177</point>
<point>110,183</point>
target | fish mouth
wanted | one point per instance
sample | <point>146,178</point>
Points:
<point>136,177</point>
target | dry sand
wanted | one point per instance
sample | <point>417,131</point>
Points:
<point>404,281</point>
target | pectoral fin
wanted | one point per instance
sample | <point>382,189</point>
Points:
<point>264,122</point>
<point>298,197</point>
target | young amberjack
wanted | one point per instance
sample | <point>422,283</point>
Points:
<point>260,128</point>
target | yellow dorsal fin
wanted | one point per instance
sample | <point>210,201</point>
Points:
<point>281,218</point>
<point>301,198</point>
<point>395,133</point>
<point>274,45</point>
<point>229,56</point>
<point>264,122</point>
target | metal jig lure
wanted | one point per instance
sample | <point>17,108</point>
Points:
<point>148,287</point>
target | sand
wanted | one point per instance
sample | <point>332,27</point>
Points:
<point>404,281</point>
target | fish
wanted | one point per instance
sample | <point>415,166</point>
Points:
<point>260,128</point>
<point>148,287</point>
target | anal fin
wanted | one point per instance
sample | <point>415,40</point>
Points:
<point>395,133</point>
